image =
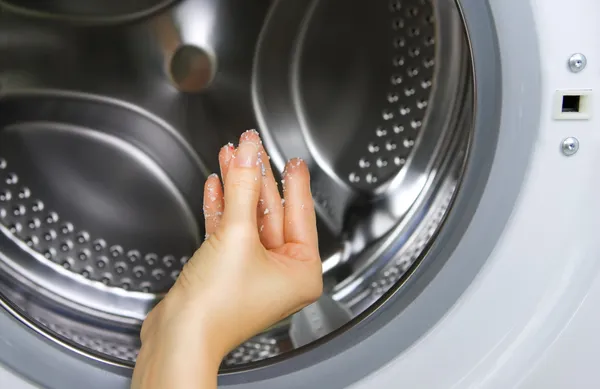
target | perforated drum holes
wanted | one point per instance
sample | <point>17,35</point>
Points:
<point>113,260</point>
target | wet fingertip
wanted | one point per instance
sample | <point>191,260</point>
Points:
<point>227,148</point>
<point>212,182</point>
<point>251,136</point>
<point>295,163</point>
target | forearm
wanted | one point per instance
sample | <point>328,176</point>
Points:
<point>180,350</point>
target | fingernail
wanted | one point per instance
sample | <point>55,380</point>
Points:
<point>247,154</point>
<point>251,135</point>
<point>294,162</point>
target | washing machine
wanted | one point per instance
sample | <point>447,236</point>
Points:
<point>453,154</point>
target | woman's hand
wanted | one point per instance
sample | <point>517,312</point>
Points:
<point>259,264</point>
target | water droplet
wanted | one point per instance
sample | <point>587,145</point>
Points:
<point>395,5</point>
<point>422,104</point>
<point>390,145</point>
<point>3,164</point>
<point>399,42</point>
<point>392,98</point>
<point>404,110</point>
<point>175,274</point>
<point>412,72</point>
<point>353,177</point>
<point>409,92</point>
<point>408,143</point>
<point>398,129</point>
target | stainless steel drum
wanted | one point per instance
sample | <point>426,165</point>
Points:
<point>107,132</point>
<point>87,12</point>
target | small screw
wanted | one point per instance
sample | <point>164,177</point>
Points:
<point>570,146</point>
<point>577,62</point>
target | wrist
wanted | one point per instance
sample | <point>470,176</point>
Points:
<point>197,326</point>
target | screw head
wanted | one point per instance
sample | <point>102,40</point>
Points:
<point>577,62</point>
<point>570,146</point>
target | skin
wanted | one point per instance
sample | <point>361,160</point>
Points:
<point>259,264</point>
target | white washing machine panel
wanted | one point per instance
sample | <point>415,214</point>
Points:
<point>530,319</point>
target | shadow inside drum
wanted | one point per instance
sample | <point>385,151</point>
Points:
<point>99,188</point>
<point>88,11</point>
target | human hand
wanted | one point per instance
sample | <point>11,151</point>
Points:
<point>259,264</point>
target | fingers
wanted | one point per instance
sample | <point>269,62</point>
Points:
<point>243,183</point>
<point>270,207</point>
<point>213,204</point>
<point>225,159</point>
<point>300,220</point>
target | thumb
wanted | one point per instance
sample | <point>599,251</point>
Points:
<point>243,182</point>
